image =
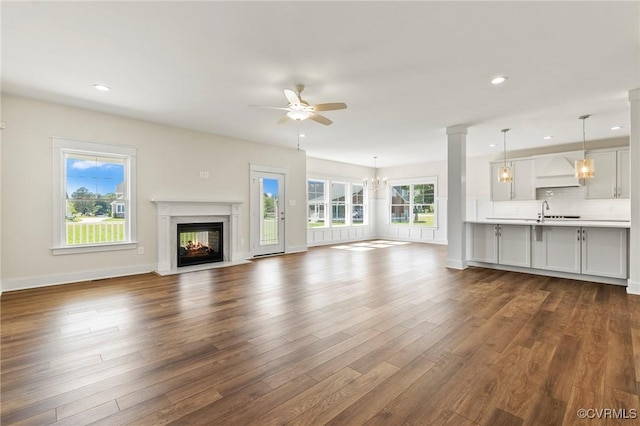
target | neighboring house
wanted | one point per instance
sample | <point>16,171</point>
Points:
<point>117,205</point>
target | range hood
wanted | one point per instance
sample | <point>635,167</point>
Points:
<point>556,170</point>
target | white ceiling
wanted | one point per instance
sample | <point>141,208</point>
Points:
<point>407,70</point>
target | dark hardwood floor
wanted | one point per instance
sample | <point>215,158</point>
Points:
<point>332,336</point>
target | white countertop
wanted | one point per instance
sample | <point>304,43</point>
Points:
<point>556,222</point>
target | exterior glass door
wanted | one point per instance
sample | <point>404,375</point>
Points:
<point>268,219</point>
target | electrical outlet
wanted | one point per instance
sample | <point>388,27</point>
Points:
<point>140,250</point>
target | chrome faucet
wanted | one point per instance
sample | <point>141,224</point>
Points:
<point>541,214</point>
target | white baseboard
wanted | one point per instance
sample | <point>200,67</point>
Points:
<point>456,264</point>
<point>546,273</point>
<point>337,242</point>
<point>9,284</point>
<point>296,249</point>
<point>633,287</point>
<point>412,240</point>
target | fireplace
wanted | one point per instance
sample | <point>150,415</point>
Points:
<point>172,213</point>
<point>199,243</point>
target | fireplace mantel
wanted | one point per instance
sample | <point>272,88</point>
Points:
<point>170,212</point>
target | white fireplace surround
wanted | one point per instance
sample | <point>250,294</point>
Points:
<point>172,212</point>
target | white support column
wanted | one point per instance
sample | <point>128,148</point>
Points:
<point>457,196</point>
<point>633,284</point>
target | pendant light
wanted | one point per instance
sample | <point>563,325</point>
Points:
<point>505,174</point>
<point>375,183</point>
<point>585,168</point>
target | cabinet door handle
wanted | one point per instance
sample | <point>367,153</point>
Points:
<point>584,235</point>
<point>578,235</point>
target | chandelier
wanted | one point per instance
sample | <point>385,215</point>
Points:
<point>375,183</point>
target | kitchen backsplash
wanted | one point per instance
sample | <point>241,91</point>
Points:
<point>562,201</point>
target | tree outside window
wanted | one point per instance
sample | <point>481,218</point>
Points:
<point>413,204</point>
<point>94,196</point>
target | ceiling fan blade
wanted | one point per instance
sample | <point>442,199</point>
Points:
<point>330,107</point>
<point>320,119</point>
<point>269,107</point>
<point>284,119</point>
<point>292,97</point>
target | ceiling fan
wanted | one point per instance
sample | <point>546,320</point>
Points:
<point>299,109</point>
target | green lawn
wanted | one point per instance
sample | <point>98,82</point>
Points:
<point>424,219</point>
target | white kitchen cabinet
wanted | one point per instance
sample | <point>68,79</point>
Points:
<point>581,250</point>
<point>501,244</point>
<point>612,178</point>
<point>484,243</point>
<point>522,186</point>
<point>604,252</point>
<point>558,249</point>
<point>623,174</point>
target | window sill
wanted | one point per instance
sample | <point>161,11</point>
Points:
<point>93,248</point>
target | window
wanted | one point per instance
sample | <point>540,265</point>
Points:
<point>94,197</point>
<point>414,204</point>
<point>316,202</point>
<point>338,204</point>
<point>400,203</point>
<point>346,203</point>
<point>357,204</point>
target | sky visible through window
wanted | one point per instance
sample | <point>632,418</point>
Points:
<point>270,187</point>
<point>99,175</point>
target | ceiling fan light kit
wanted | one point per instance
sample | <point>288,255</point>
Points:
<point>298,115</point>
<point>299,109</point>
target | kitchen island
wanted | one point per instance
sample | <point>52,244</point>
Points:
<point>582,249</point>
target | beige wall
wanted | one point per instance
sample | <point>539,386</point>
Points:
<point>317,167</point>
<point>168,164</point>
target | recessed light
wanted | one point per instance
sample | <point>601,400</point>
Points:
<point>616,128</point>
<point>493,145</point>
<point>499,80</point>
<point>302,135</point>
<point>547,137</point>
<point>102,87</point>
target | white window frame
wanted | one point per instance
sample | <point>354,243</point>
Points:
<point>328,204</point>
<point>347,205</point>
<point>412,182</point>
<point>364,204</point>
<point>327,212</point>
<point>61,147</point>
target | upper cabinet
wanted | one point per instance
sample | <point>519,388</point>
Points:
<point>521,188</point>
<point>612,178</point>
